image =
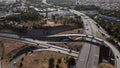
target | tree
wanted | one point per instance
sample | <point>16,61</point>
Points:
<point>70,61</point>
<point>57,66</point>
<point>53,17</point>
<point>111,27</point>
<point>78,31</point>
<point>37,26</point>
<point>20,65</point>
<point>61,17</point>
<point>1,50</point>
<point>51,63</point>
<point>110,39</point>
<point>59,61</point>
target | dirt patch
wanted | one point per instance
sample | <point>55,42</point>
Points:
<point>74,31</point>
<point>41,60</point>
<point>7,31</point>
<point>11,45</point>
<point>52,24</point>
<point>105,65</point>
<point>71,45</point>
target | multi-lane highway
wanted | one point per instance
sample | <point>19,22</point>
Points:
<point>89,55</point>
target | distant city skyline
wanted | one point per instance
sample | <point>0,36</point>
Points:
<point>105,4</point>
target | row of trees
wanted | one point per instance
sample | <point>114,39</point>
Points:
<point>11,21</point>
<point>111,39</point>
<point>114,13</point>
<point>65,20</point>
<point>25,16</point>
<point>70,61</point>
<point>74,21</point>
<point>86,7</point>
<point>19,29</point>
<point>111,27</point>
<point>51,63</point>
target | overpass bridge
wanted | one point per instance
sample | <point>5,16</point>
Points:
<point>47,44</point>
<point>114,50</point>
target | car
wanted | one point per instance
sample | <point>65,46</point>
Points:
<point>32,51</point>
<point>70,51</point>
<point>118,20</point>
<point>97,25</point>
<point>49,47</point>
<point>117,57</point>
<point>86,35</point>
<point>14,63</point>
<point>87,29</point>
<point>59,52</point>
<point>66,40</point>
<point>103,34</point>
<point>37,44</point>
<point>92,37</point>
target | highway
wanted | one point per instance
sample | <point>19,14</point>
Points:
<point>39,43</point>
<point>91,28</point>
<point>90,37</point>
<point>89,55</point>
<point>32,42</point>
<point>104,32</point>
<point>46,45</point>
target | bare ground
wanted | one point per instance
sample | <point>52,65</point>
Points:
<point>40,60</point>
<point>9,46</point>
<point>105,65</point>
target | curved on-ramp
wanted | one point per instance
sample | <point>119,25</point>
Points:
<point>12,63</point>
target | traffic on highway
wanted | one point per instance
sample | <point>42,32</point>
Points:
<point>51,27</point>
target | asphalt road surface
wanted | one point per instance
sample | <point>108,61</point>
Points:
<point>89,54</point>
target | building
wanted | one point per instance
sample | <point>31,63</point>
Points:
<point>104,4</point>
<point>8,1</point>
